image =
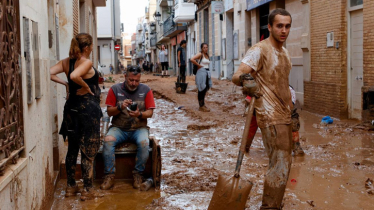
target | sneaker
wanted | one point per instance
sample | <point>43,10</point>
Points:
<point>204,109</point>
<point>108,182</point>
<point>91,193</point>
<point>72,191</point>
<point>138,180</point>
<point>297,149</point>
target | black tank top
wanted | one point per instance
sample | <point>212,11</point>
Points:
<point>92,82</point>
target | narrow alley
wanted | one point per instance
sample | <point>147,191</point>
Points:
<point>196,147</point>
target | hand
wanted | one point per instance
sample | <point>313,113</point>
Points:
<point>179,65</point>
<point>84,91</point>
<point>126,103</point>
<point>67,92</point>
<point>135,113</point>
<point>251,88</point>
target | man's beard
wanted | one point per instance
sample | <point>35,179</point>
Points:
<point>129,88</point>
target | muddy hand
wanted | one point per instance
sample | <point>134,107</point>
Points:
<point>84,91</point>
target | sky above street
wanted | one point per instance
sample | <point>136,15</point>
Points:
<point>131,10</point>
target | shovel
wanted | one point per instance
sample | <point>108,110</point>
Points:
<point>231,193</point>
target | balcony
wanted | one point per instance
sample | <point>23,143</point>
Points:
<point>184,12</point>
<point>139,27</point>
<point>140,54</point>
<point>153,42</point>
<point>162,3</point>
<point>171,29</point>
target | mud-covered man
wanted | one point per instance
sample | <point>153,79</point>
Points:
<point>131,104</point>
<point>263,74</point>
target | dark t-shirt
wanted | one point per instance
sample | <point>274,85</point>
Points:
<point>182,55</point>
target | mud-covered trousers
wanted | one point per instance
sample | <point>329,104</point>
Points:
<point>277,140</point>
<point>87,165</point>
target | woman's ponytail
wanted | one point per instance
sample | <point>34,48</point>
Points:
<point>74,52</point>
<point>78,43</point>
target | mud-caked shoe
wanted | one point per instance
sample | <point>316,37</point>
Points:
<point>297,149</point>
<point>108,182</point>
<point>138,180</point>
<point>91,193</point>
<point>204,109</point>
<point>71,191</point>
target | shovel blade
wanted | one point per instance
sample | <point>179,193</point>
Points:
<point>231,193</point>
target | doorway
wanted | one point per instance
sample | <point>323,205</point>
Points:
<point>230,44</point>
<point>264,15</point>
<point>355,74</point>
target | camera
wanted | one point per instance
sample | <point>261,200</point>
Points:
<point>132,107</point>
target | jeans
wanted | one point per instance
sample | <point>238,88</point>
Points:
<point>139,137</point>
<point>182,73</point>
<point>201,94</point>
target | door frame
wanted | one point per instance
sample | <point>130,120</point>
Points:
<point>349,63</point>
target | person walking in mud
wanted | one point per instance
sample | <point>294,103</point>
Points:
<point>263,74</point>
<point>131,104</point>
<point>163,59</point>
<point>203,78</point>
<point>82,113</point>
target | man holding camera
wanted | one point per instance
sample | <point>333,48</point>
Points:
<point>131,104</point>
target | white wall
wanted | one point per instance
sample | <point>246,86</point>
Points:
<point>27,186</point>
<point>105,20</point>
<point>106,55</point>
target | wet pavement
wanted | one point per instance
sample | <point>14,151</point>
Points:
<point>196,147</point>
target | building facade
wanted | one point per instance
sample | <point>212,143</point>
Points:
<point>109,35</point>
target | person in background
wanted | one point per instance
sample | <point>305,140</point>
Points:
<point>163,59</point>
<point>151,67</point>
<point>82,113</point>
<point>111,69</point>
<point>181,54</point>
<point>203,78</point>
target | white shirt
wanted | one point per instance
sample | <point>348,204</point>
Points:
<point>205,62</point>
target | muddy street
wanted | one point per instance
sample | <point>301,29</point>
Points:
<point>197,146</point>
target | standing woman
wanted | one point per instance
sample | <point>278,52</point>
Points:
<point>82,113</point>
<point>163,59</point>
<point>203,77</point>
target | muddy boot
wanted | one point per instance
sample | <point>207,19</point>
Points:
<point>71,191</point>
<point>138,180</point>
<point>297,149</point>
<point>108,182</point>
<point>91,193</point>
<point>204,109</point>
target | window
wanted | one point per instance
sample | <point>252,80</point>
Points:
<point>356,2</point>
<point>264,14</point>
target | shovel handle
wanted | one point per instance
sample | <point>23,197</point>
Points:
<point>245,136</point>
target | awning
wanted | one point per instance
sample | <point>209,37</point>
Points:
<point>251,4</point>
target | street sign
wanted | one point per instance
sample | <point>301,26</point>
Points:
<point>218,7</point>
<point>117,47</point>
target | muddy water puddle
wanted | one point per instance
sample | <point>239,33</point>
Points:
<point>331,175</point>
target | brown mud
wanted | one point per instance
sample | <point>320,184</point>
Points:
<point>197,146</point>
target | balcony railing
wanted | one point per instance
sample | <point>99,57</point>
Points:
<point>153,42</point>
<point>168,24</point>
